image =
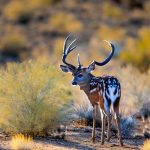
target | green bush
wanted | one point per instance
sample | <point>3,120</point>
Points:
<point>34,98</point>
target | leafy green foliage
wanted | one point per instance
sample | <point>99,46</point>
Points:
<point>34,98</point>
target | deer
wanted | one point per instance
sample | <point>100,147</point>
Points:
<point>103,92</point>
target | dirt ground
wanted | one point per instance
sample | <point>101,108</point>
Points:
<point>79,138</point>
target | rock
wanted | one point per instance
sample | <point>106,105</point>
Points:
<point>87,130</point>
<point>146,135</point>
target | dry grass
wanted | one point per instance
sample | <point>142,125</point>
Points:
<point>136,51</point>
<point>57,47</point>
<point>39,95</point>
<point>23,11</point>
<point>21,142</point>
<point>15,11</point>
<point>112,11</point>
<point>146,145</point>
<point>110,33</point>
<point>13,43</point>
<point>71,24</point>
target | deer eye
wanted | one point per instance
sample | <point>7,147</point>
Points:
<point>80,75</point>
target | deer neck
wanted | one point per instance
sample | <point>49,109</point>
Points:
<point>86,87</point>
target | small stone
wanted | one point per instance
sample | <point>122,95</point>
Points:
<point>146,135</point>
<point>87,130</point>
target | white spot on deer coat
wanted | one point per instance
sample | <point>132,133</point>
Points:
<point>93,90</point>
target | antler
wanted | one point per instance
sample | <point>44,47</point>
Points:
<point>108,58</point>
<point>67,50</point>
<point>78,60</point>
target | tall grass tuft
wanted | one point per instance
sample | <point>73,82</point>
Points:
<point>34,98</point>
<point>21,142</point>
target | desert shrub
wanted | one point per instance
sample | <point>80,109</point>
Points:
<point>146,145</point>
<point>111,10</point>
<point>19,141</point>
<point>128,125</point>
<point>13,44</point>
<point>137,51</point>
<point>147,8</point>
<point>145,110</point>
<point>110,33</point>
<point>23,11</point>
<point>16,11</point>
<point>34,98</point>
<point>70,24</point>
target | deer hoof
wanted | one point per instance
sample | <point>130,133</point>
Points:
<point>121,144</point>
<point>102,143</point>
<point>93,140</point>
<point>108,139</point>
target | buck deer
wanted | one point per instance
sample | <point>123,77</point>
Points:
<point>103,92</point>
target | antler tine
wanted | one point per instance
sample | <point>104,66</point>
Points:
<point>108,58</point>
<point>67,50</point>
<point>78,59</point>
<point>65,44</point>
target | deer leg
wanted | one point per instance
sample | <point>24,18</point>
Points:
<point>109,125</point>
<point>94,122</point>
<point>103,126</point>
<point>117,118</point>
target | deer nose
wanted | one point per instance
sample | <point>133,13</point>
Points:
<point>74,83</point>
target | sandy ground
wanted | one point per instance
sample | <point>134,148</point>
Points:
<point>80,139</point>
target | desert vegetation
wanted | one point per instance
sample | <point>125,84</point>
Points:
<point>36,98</point>
<point>39,102</point>
<point>19,141</point>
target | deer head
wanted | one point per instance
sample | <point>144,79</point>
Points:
<point>81,75</point>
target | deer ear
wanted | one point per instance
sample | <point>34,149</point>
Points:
<point>66,68</point>
<point>91,67</point>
